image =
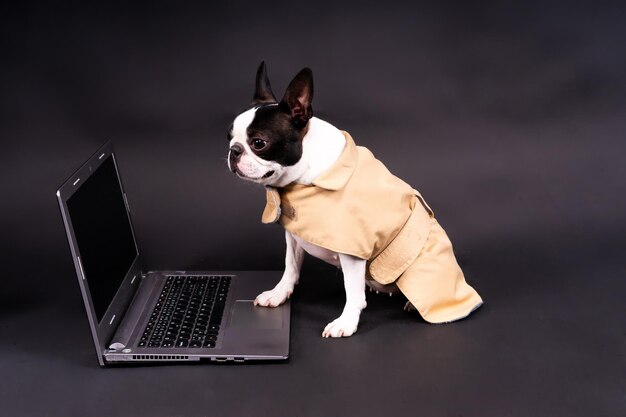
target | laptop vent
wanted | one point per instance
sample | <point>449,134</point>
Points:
<point>160,357</point>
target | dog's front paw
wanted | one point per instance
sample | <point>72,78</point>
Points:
<point>343,326</point>
<point>273,298</point>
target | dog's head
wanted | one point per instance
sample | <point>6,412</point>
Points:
<point>266,140</point>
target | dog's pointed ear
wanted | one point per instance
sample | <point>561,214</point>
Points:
<point>299,96</point>
<point>263,91</point>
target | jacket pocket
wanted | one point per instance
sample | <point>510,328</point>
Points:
<point>387,266</point>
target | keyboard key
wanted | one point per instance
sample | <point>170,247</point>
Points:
<point>216,318</point>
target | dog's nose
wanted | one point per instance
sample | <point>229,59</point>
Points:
<point>236,150</point>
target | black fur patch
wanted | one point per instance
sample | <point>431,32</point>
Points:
<point>275,125</point>
<point>277,130</point>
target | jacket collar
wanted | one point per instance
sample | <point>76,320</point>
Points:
<point>336,177</point>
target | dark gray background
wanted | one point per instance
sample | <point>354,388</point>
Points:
<point>509,119</point>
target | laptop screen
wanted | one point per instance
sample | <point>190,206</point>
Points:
<point>103,234</point>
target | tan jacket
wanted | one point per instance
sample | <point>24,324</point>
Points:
<point>358,207</point>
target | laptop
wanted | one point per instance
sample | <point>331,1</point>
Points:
<point>140,316</point>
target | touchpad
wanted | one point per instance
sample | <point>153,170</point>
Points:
<point>246,314</point>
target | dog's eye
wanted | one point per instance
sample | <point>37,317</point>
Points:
<point>258,144</point>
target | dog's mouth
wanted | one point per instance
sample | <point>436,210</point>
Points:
<point>242,175</point>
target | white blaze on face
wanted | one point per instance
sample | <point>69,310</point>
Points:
<point>250,166</point>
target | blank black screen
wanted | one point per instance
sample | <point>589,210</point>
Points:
<point>103,234</point>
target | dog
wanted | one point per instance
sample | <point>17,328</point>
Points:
<point>341,205</point>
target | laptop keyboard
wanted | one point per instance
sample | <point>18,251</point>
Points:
<point>188,313</point>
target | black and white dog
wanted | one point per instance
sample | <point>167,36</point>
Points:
<point>276,143</point>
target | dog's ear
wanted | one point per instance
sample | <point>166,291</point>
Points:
<point>299,96</point>
<point>263,91</point>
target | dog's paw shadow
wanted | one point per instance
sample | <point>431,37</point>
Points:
<point>383,309</point>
